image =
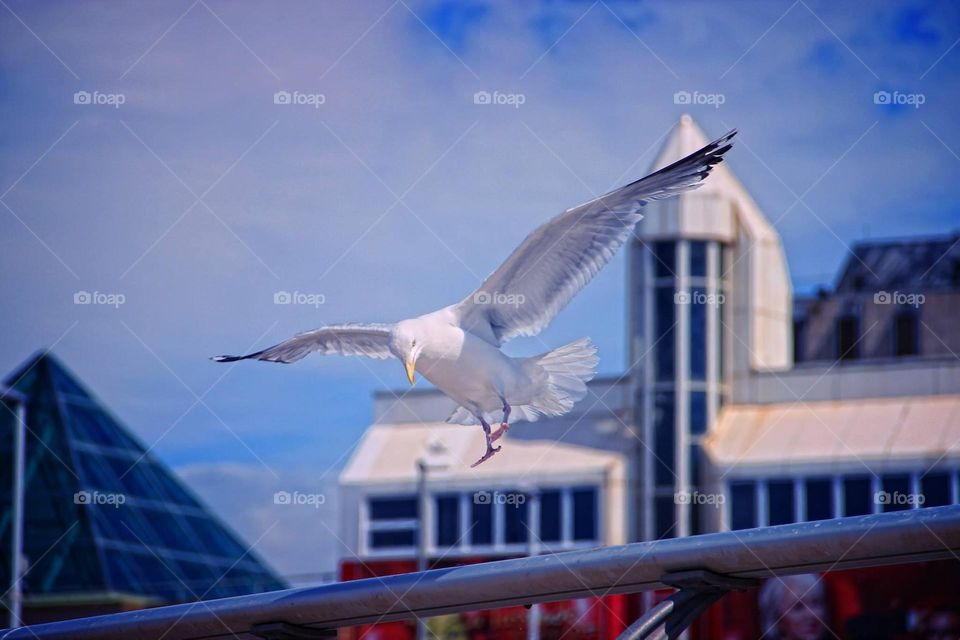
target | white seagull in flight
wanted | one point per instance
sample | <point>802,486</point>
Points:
<point>457,348</point>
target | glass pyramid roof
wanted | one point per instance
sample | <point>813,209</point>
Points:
<point>102,514</point>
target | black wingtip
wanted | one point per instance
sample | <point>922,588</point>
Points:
<point>226,358</point>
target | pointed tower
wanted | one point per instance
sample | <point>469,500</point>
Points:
<point>105,521</point>
<point>710,303</point>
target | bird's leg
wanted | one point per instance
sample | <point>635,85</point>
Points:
<point>490,448</point>
<point>504,426</point>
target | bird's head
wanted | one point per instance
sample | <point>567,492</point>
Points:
<point>406,345</point>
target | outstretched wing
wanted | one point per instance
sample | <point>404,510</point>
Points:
<point>560,257</point>
<point>346,339</point>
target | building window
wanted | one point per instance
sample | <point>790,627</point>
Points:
<point>585,514</point>
<point>906,334</point>
<point>516,529</point>
<point>743,505</point>
<point>448,520</point>
<point>896,494</point>
<point>698,333</point>
<point>698,412</point>
<point>798,327</point>
<point>664,259</point>
<point>698,259</point>
<point>502,518</point>
<point>665,522</point>
<point>481,521</point>
<point>780,502</point>
<point>393,522</point>
<point>848,335</point>
<point>663,439</point>
<point>551,511</point>
<point>665,308</point>
<point>819,502</point>
<point>857,499</point>
<point>936,489</point>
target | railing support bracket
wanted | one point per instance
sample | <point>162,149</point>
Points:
<point>697,590</point>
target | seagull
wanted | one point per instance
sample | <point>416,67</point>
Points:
<point>458,348</point>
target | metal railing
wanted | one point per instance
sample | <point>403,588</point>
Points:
<point>703,567</point>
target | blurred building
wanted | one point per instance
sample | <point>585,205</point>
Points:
<point>107,526</point>
<point>743,406</point>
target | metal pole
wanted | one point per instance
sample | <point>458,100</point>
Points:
<point>15,599</point>
<point>533,515</point>
<point>916,535</point>
<point>422,534</point>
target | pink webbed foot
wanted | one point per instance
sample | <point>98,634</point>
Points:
<point>486,456</point>
<point>504,427</point>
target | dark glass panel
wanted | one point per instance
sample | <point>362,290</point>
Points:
<point>585,514</point>
<point>896,494</point>
<point>664,259</point>
<point>780,502</point>
<point>819,498</point>
<point>392,538</point>
<point>665,521</point>
<point>698,258</point>
<point>699,306</point>
<point>743,505</point>
<point>906,334</point>
<point>550,513</point>
<point>698,412</point>
<point>448,520</point>
<point>393,508</point>
<point>936,489</point>
<point>665,311</point>
<point>663,439</point>
<point>516,529</point>
<point>857,500</point>
<point>481,520</point>
<point>848,335</point>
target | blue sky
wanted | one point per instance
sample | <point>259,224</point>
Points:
<point>198,198</point>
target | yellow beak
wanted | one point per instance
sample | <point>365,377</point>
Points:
<point>409,366</point>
